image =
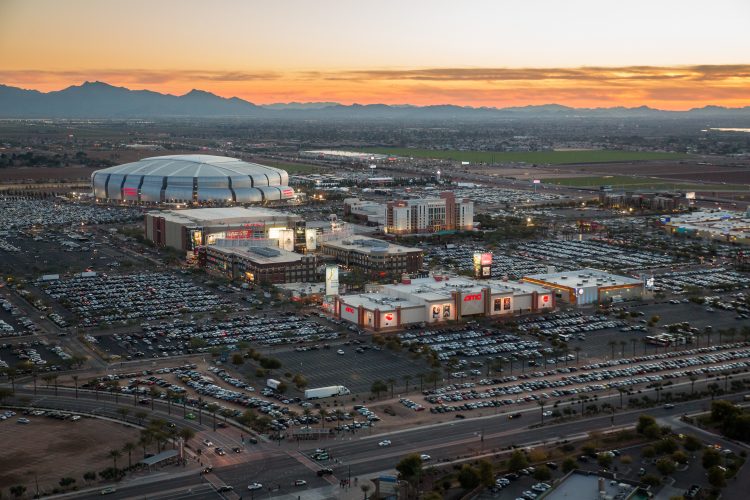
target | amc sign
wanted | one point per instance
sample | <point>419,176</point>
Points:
<point>388,317</point>
<point>349,309</point>
<point>472,296</point>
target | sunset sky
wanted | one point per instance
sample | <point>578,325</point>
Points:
<point>668,54</point>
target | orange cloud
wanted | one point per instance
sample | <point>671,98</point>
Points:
<point>679,87</point>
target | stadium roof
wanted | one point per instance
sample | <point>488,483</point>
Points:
<point>192,166</point>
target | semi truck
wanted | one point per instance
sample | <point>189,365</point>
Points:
<point>326,392</point>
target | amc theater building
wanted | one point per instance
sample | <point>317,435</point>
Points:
<point>440,299</point>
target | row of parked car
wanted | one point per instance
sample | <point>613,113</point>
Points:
<point>597,254</point>
<point>701,362</point>
<point>20,212</point>
<point>106,299</point>
<point>470,342</point>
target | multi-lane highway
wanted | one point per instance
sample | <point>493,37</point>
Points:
<point>278,466</point>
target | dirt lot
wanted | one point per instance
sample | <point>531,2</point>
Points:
<point>17,174</point>
<point>51,449</point>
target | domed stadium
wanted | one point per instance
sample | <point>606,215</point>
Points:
<point>191,178</point>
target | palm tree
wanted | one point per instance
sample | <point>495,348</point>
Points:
<point>541,403</point>
<point>622,348</point>
<point>123,412</point>
<point>421,380</point>
<point>186,433</point>
<point>365,488</point>
<point>128,448</point>
<point>407,379</point>
<point>34,375</point>
<point>708,331</point>
<point>634,342</point>
<point>11,374</point>
<point>154,393</point>
<point>391,381</point>
<point>612,344</point>
<point>170,396</point>
<point>75,381</point>
<point>621,391</point>
<point>114,455</point>
<point>145,440</point>
<point>140,415</point>
<point>577,349</point>
<point>322,413</point>
<point>213,408</point>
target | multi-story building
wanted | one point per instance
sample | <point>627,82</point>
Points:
<point>429,215</point>
<point>374,256</point>
<point>188,229</point>
<point>262,264</point>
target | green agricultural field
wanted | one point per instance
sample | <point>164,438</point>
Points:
<point>639,183</point>
<point>534,157</point>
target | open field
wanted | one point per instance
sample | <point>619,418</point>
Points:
<point>641,183</point>
<point>33,174</point>
<point>539,157</point>
<point>50,449</point>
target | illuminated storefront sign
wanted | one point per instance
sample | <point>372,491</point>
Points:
<point>473,296</point>
<point>349,309</point>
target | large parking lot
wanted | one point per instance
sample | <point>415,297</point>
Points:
<point>503,265</point>
<point>197,336</point>
<point>23,213</point>
<point>101,299</point>
<point>597,254</point>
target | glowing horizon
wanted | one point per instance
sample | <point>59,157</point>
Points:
<point>480,53</point>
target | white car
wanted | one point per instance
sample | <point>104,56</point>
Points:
<point>254,486</point>
<point>547,413</point>
<point>340,352</point>
<point>385,442</point>
<point>425,457</point>
<point>208,442</point>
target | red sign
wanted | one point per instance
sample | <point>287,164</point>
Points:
<point>287,192</point>
<point>473,296</point>
<point>487,259</point>
<point>349,309</point>
<point>389,317</point>
<point>239,234</point>
<point>545,298</point>
<point>130,191</point>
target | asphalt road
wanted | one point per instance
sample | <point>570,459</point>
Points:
<point>358,455</point>
<point>449,441</point>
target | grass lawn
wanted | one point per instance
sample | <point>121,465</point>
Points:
<point>539,157</point>
<point>622,181</point>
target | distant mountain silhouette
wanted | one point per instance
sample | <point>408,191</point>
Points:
<point>104,101</point>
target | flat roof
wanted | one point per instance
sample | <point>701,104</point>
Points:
<point>380,301</point>
<point>160,457</point>
<point>365,244</point>
<point>585,486</point>
<point>260,255</point>
<point>584,277</point>
<point>223,215</point>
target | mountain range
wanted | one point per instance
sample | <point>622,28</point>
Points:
<point>99,100</point>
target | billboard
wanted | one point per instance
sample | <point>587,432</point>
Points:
<point>332,280</point>
<point>286,240</point>
<point>311,239</point>
<point>482,264</point>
